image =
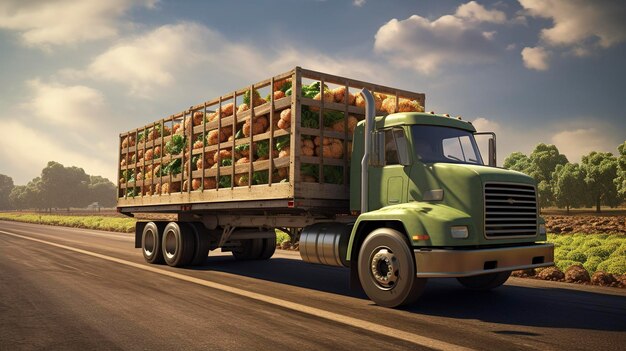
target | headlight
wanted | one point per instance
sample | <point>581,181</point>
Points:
<point>542,229</point>
<point>459,232</point>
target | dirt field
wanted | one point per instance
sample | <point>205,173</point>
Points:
<point>587,224</point>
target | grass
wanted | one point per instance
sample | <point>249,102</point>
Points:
<point>114,224</point>
<point>594,252</point>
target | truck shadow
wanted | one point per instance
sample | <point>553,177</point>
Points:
<point>513,305</point>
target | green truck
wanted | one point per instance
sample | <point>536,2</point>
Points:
<point>355,172</point>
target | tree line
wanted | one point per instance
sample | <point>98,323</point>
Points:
<point>57,187</point>
<point>599,179</point>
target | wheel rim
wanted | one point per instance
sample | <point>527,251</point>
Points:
<point>384,268</point>
<point>170,244</point>
<point>149,243</point>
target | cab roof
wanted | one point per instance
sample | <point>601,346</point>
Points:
<point>410,118</point>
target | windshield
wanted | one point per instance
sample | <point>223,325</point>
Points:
<point>443,144</point>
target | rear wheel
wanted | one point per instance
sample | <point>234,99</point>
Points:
<point>151,242</point>
<point>201,237</point>
<point>178,244</point>
<point>269,247</point>
<point>250,249</point>
<point>484,282</point>
<point>387,269</point>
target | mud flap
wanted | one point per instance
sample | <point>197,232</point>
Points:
<point>138,233</point>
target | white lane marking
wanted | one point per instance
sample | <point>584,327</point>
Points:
<point>353,322</point>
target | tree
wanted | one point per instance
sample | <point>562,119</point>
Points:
<point>544,160</point>
<point>600,172</point>
<point>64,187</point>
<point>27,196</point>
<point>540,165</point>
<point>102,190</point>
<point>620,181</point>
<point>568,182</point>
<point>6,186</point>
<point>17,197</point>
<point>517,161</point>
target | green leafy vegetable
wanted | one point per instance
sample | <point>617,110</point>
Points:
<point>242,147</point>
<point>246,97</point>
<point>175,145</point>
<point>224,182</point>
<point>260,177</point>
<point>308,91</point>
<point>282,142</point>
<point>310,119</point>
<point>286,87</point>
<point>310,170</point>
<point>333,174</point>
<point>263,148</point>
<point>173,167</point>
<point>330,117</point>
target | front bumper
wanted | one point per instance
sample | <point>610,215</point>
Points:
<point>435,263</point>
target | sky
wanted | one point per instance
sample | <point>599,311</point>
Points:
<point>76,73</point>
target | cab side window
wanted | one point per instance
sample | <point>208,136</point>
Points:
<point>391,149</point>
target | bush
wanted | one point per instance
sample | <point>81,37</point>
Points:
<point>592,243</point>
<point>599,251</point>
<point>592,263</point>
<point>614,265</point>
<point>577,255</point>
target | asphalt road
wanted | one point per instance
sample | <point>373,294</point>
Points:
<point>63,288</point>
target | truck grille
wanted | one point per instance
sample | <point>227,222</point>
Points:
<point>510,210</point>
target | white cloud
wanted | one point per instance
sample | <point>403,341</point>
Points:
<point>576,21</point>
<point>149,61</point>
<point>358,3</point>
<point>189,53</point>
<point>46,23</point>
<point>473,11</point>
<point>425,45</point>
<point>70,106</point>
<point>535,58</point>
<point>576,143</point>
<point>486,125</point>
<point>26,152</point>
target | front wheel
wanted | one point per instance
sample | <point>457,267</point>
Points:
<point>387,269</point>
<point>484,282</point>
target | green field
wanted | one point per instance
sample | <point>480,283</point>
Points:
<point>115,224</point>
<point>595,252</point>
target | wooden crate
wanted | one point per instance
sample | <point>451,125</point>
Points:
<point>290,175</point>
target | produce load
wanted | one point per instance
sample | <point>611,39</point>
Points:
<point>246,139</point>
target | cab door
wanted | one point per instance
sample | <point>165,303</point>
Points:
<point>389,179</point>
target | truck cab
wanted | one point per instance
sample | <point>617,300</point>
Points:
<point>429,187</point>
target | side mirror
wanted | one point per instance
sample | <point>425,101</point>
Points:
<point>378,149</point>
<point>492,152</point>
<point>491,146</point>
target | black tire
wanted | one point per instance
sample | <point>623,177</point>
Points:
<point>484,282</point>
<point>250,249</point>
<point>201,237</point>
<point>387,269</point>
<point>151,242</point>
<point>178,244</point>
<point>269,247</point>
